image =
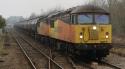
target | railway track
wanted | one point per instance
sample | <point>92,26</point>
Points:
<point>35,57</point>
<point>96,64</point>
<point>29,59</point>
<point>80,65</point>
<point>108,64</point>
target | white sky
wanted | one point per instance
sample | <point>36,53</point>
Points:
<point>26,7</point>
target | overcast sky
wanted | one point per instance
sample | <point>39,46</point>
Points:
<point>26,7</point>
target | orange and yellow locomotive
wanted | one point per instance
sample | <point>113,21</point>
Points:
<point>82,30</point>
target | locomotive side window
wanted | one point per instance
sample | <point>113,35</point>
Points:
<point>66,18</point>
<point>102,19</point>
<point>38,24</point>
<point>85,18</point>
<point>73,19</point>
<point>52,23</point>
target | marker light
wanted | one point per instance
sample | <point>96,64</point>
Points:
<point>94,28</point>
<point>106,36</point>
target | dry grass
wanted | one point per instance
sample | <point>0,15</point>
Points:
<point>1,43</point>
<point>2,51</point>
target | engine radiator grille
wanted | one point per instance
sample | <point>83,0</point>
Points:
<point>93,34</point>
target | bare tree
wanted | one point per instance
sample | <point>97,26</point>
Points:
<point>33,15</point>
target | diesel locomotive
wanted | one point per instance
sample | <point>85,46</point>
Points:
<point>84,31</point>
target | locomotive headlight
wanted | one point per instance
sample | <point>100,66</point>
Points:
<point>81,36</point>
<point>94,27</point>
<point>106,36</point>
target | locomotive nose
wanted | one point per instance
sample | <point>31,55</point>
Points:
<point>95,34</point>
<point>89,33</point>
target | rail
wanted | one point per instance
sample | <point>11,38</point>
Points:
<point>28,58</point>
<point>108,64</point>
<point>49,58</point>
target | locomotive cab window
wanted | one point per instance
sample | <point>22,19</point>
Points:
<point>101,19</point>
<point>85,18</point>
<point>52,23</point>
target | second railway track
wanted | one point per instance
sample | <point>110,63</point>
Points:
<point>36,58</point>
<point>54,55</point>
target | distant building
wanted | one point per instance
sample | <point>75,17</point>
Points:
<point>13,19</point>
